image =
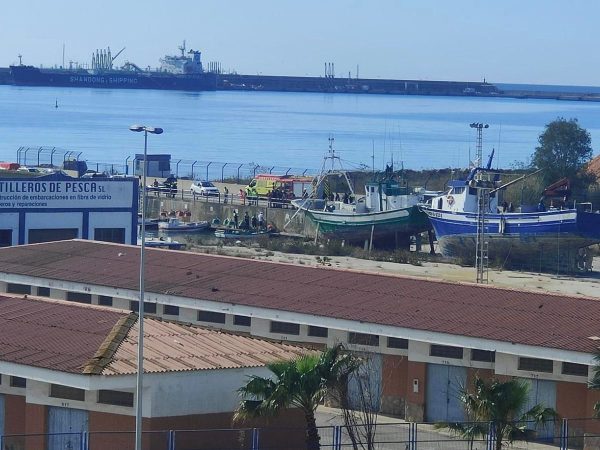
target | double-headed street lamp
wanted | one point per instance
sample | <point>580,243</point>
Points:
<point>140,349</point>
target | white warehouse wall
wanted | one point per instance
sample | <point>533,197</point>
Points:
<point>199,392</point>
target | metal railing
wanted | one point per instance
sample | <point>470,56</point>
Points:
<point>237,198</point>
<point>565,434</point>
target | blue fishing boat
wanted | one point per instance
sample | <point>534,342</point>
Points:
<point>542,237</point>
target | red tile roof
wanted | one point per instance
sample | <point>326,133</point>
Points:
<point>71,337</point>
<point>546,320</point>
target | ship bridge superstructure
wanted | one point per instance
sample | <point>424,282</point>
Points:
<point>182,64</point>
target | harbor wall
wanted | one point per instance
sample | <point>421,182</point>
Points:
<point>202,209</point>
<point>280,83</point>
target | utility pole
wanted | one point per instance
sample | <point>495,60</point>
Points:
<point>483,184</point>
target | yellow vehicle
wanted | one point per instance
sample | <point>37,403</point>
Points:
<point>285,187</point>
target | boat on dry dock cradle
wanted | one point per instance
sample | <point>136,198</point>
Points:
<point>386,215</point>
<point>539,237</point>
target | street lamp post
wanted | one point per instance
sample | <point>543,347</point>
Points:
<point>140,349</point>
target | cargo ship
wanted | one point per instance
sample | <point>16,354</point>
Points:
<point>182,72</point>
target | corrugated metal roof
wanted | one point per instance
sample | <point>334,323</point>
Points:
<point>52,334</point>
<point>169,346</point>
<point>546,320</point>
<point>78,338</point>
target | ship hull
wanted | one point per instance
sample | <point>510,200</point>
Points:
<point>532,239</point>
<point>387,227</point>
<point>31,76</point>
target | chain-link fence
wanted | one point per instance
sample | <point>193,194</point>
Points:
<point>53,157</point>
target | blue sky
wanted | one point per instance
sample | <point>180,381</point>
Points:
<point>525,41</point>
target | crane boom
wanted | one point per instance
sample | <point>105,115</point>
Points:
<point>118,53</point>
<point>504,186</point>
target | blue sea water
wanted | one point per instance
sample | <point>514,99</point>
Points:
<point>287,130</point>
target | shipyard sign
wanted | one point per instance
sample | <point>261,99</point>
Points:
<point>76,194</point>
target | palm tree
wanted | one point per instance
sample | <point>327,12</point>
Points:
<point>299,383</point>
<point>501,405</point>
<point>595,381</point>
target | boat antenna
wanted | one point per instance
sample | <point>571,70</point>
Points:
<point>498,152</point>
<point>331,151</point>
<point>20,59</point>
<point>373,154</point>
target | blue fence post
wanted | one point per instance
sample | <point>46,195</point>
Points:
<point>564,434</point>
<point>255,438</point>
<point>412,436</point>
<point>337,437</point>
<point>491,438</point>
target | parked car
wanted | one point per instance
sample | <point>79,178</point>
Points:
<point>94,174</point>
<point>204,188</point>
<point>167,187</point>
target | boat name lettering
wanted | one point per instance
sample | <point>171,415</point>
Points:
<point>48,186</point>
<point>92,79</point>
<point>434,214</point>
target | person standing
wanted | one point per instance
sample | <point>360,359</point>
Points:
<point>235,218</point>
<point>246,221</point>
<point>261,220</point>
<point>226,193</point>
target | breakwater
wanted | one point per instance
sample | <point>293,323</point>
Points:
<point>353,85</point>
<point>329,84</point>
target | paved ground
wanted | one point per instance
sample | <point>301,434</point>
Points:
<point>392,434</point>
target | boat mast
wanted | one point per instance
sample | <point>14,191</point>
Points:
<point>324,172</point>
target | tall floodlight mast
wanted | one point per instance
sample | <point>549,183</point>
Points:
<point>483,186</point>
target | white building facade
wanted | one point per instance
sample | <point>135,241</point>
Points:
<point>57,207</point>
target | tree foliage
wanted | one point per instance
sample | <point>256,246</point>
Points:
<point>299,383</point>
<point>564,150</point>
<point>360,409</point>
<point>595,381</point>
<point>500,404</point>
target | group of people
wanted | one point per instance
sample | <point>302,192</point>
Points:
<point>247,223</point>
<point>346,198</point>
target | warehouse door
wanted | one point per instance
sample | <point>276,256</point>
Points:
<point>65,426</point>
<point>542,392</point>
<point>444,384</point>
<point>364,387</point>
